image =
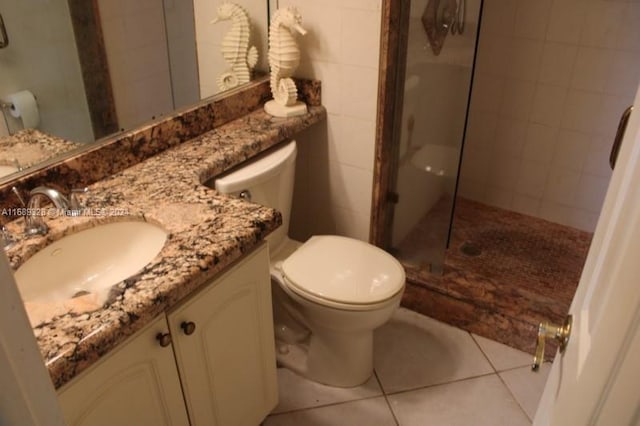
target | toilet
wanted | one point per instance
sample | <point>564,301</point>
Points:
<point>329,293</point>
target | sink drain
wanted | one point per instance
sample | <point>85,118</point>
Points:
<point>470,249</point>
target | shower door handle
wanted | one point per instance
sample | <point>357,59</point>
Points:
<point>622,127</point>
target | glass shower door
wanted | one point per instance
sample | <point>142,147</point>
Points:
<point>440,56</point>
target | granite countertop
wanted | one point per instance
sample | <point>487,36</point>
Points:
<point>207,232</point>
<point>30,146</point>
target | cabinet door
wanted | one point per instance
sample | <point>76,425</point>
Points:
<point>137,384</point>
<point>227,363</point>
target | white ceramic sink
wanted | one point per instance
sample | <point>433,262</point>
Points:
<point>89,261</point>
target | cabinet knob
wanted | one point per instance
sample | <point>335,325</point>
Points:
<point>188,327</point>
<point>164,339</point>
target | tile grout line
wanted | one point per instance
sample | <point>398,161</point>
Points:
<point>441,384</point>
<point>386,398</point>
<point>514,397</point>
<point>497,373</point>
<point>483,353</point>
<point>295,410</point>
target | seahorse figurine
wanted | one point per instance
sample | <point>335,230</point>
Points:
<point>284,58</point>
<point>235,46</point>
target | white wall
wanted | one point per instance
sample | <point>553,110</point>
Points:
<point>41,57</point>
<point>183,61</point>
<point>552,79</point>
<point>136,46</point>
<point>335,162</point>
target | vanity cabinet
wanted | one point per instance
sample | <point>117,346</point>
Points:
<point>135,384</point>
<point>222,367</point>
<point>224,346</point>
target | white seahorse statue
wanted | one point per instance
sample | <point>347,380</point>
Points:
<point>284,58</point>
<point>235,46</point>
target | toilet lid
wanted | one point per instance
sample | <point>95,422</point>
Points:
<point>343,270</point>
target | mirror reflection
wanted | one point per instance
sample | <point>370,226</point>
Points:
<point>94,68</point>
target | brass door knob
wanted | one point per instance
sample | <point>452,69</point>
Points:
<point>617,141</point>
<point>188,327</point>
<point>164,339</point>
<point>548,330</point>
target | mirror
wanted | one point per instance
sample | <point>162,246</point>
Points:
<point>101,67</point>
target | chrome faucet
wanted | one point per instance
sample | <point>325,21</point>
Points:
<point>34,223</point>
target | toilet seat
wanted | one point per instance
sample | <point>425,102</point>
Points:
<point>343,273</point>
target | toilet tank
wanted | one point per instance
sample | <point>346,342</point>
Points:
<point>268,178</point>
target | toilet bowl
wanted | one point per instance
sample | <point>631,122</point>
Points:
<point>329,293</point>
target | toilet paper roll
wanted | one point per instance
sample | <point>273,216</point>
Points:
<point>23,105</point>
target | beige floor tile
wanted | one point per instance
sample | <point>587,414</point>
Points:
<point>413,351</point>
<point>527,386</point>
<point>372,411</point>
<point>479,401</point>
<point>296,392</point>
<point>503,357</point>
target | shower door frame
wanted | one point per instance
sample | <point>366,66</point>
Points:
<point>394,37</point>
<point>394,41</point>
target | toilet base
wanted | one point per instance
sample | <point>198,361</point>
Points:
<point>325,344</point>
<point>344,360</point>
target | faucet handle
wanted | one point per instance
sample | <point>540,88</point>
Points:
<point>18,195</point>
<point>74,203</point>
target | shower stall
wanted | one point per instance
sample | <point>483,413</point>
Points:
<point>493,152</point>
<point>437,83</point>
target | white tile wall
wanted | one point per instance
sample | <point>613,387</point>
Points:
<point>136,46</point>
<point>341,48</point>
<point>41,57</point>
<point>531,19</point>
<point>183,61</point>
<point>552,79</point>
<point>556,67</point>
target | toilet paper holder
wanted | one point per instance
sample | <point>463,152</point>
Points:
<point>22,106</point>
<point>7,105</point>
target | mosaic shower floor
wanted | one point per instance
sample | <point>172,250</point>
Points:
<point>503,273</point>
